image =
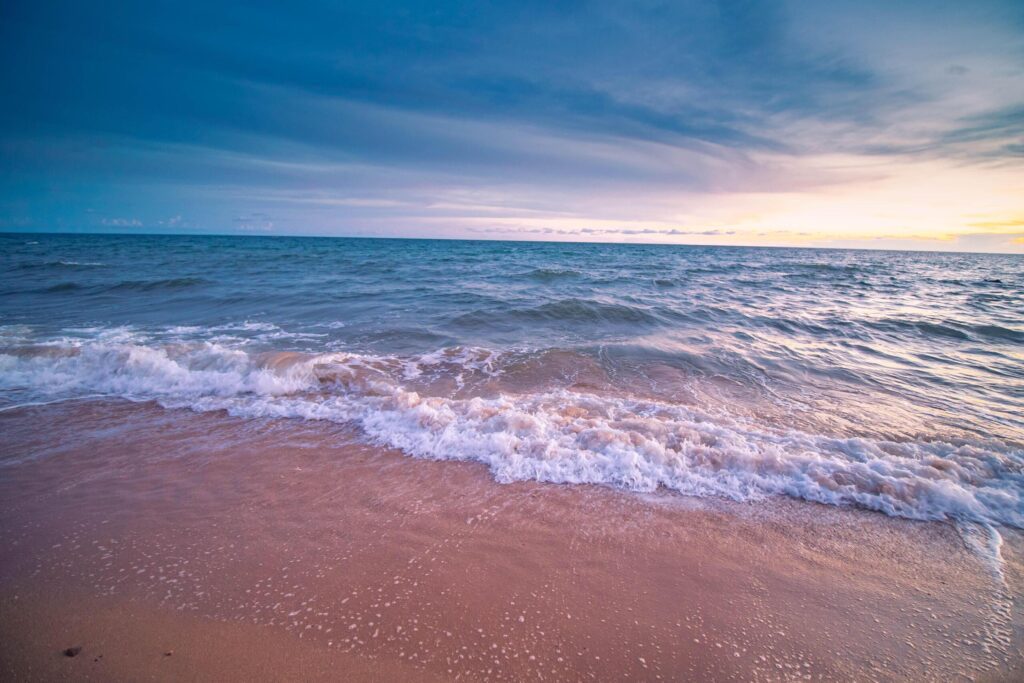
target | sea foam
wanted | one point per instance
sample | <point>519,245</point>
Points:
<point>560,436</point>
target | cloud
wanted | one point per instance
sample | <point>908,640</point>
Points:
<point>1009,223</point>
<point>601,232</point>
<point>121,222</point>
<point>410,118</point>
<point>673,232</point>
<point>991,241</point>
<point>254,222</point>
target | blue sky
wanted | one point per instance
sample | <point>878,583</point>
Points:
<point>872,124</point>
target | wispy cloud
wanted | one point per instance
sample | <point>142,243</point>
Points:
<point>1009,223</point>
<point>121,222</point>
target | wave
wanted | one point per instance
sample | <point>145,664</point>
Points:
<point>63,287</point>
<point>563,311</point>
<point>61,264</point>
<point>150,285</point>
<point>921,327</point>
<point>127,286</point>
<point>813,270</point>
<point>999,333</point>
<point>552,274</point>
<point>952,330</point>
<point>560,436</point>
<point>76,264</point>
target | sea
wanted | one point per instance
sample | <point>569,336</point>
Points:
<point>882,380</point>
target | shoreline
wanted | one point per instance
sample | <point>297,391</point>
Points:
<point>289,550</point>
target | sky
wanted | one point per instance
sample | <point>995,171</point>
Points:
<point>874,124</point>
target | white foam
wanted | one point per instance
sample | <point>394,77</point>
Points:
<point>458,361</point>
<point>558,436</point>
<point>137,371</point>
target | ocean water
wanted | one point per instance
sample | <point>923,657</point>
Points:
<point>885,380</point>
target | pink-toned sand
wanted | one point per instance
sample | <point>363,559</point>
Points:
<point>170,545</point>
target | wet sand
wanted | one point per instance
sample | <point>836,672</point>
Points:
<point>263,550</point>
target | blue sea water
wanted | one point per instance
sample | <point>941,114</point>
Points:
<point>888,380</point>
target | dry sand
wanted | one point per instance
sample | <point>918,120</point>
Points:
<point>254,550</point>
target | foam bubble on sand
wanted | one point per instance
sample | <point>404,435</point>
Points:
<point>558,436</point>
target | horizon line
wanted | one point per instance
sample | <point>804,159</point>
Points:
<point>22,231</point>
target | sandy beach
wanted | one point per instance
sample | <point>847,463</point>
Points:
<point>170,545</point>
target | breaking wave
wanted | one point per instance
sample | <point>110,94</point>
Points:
<point>558,435</point>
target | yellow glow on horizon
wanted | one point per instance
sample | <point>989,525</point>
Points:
<point>927,201</point>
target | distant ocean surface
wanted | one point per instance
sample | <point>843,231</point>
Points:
<point>891,381</point>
